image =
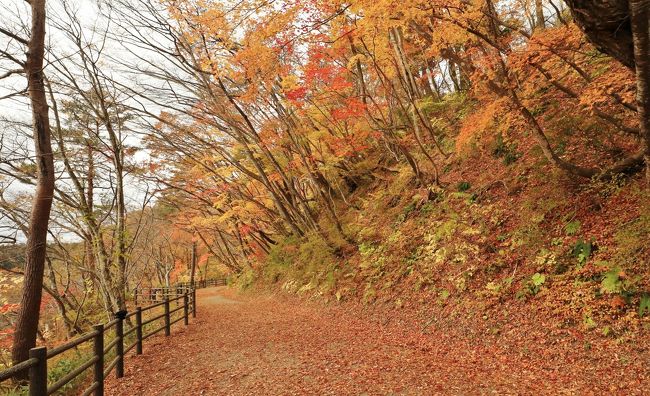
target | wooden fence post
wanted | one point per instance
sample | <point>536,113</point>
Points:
<point>38,372</point>
<point>138,330</point>
<point>119,347</point>
<point>167,318</point>
<point>193,302</point>
<point>99,364</point>
<point>186,308</point>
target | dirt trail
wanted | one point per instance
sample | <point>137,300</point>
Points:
<point>275,346</point>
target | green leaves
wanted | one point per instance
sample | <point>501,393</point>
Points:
<point>582,250</point>
<point>463,186</point>
<point>532,286</point>
<point>538,279</point>
<point>644,305</point>
<point>611,282</point>
<point>572,227</point>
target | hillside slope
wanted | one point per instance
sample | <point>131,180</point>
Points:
<point>505,243</point>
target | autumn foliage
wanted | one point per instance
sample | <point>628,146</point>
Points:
<point>470,156</point>
<point>373,148</point>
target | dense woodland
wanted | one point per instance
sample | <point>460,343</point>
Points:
<point>460,154</point>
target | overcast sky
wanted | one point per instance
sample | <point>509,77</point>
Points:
<point>15,16</point>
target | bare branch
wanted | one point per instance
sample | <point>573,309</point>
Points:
<point>14,36</point>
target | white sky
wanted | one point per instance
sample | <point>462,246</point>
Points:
<point>17,108</point>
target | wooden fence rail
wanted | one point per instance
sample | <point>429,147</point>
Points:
<point>184,301</point>
<point>157,294</point>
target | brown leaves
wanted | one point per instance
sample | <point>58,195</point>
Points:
<point>265,344</point>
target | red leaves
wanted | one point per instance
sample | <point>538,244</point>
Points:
<point>316,73</point>
<point>322,69</point>
<point>9,308</point>
<point>340,83</point>
<point>6,337</point>
<point>349,145</point>
<point>45,299</point>
<point>245,229</point>
<point>297,94</point>
<point>352,108</point>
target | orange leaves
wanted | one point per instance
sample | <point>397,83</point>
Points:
<point>618,302</point>
<point>617,81</point>
<point>350,145</point>
<point>352,108</point>
<point>179,268</point>
<point>203,259</point>
<point>477,123</point>
<point>275,177</point>
<point>340,83</point>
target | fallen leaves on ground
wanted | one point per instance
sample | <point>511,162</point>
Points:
<point>273,345</point>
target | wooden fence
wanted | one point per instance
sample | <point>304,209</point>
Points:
<point>157,294</point>
<point>139,329</point>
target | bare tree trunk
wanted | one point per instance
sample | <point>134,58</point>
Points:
<point>205,269</point>
<point>193,268</point>
<point>60,300</point>
<point>121,283</point>
<point>89,256</point>
<point>28,315</point>
<point>363,91</point>
<point>639,16</point>
<point>539,15</point>
<point>558,13</point>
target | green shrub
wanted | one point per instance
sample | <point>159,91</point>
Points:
<point>582,250</point>
<point>463,186</point>
<point>508,152</point>
<point>532,285</point>
<point>572,227</point>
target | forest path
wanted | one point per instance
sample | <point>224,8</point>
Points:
<point>270,345</point>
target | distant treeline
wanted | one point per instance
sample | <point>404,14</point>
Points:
<point>12,256</point>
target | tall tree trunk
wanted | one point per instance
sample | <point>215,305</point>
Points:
<point>539,15</point>
<point>121,282</point>
<point>28,314</point>
<point>89,257</point>
<point>363,91</point>
<point>558,13</point>
<point>193,268</point>
<point>119,287</point>
<point>607,25</point>
<point>639,15</point>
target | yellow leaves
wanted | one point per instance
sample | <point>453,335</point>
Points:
<point>358,58</point>
<point>228,215</point>
<point>290,82</point>
<point>233,213</point>
<point>447,35</point>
